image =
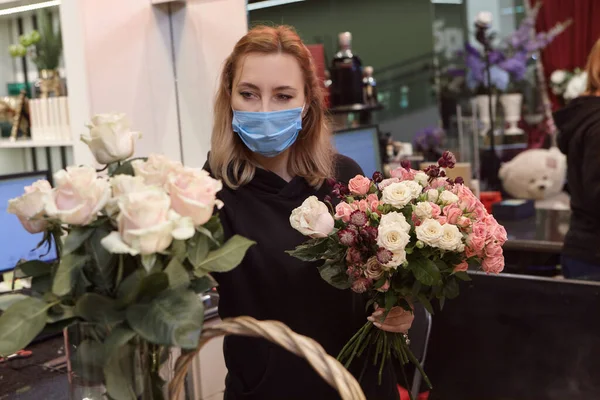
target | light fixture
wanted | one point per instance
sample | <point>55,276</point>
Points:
<point>270,3</point>
<point>30,7</point>
<point>447,1</point>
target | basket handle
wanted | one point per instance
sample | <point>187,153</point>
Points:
<point>276,332</point>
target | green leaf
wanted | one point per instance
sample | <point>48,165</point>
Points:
<point>179,250</point>
<point>425,271</point>
<point>451,289</point>
<point>103,271</point>
<point>35,268</point>
<point>95,308</point>
<point>89,361</point>
<point>8,300</point>
<point>152,285</point>
<point>21,323</point>
<point>174,318</point>
<point>179,277</point>
<point>118,383</point>
<point>129,288</point>
<point>463,276</point>
<point>197,249</point>
<point>416,289</point>
<point>391,299</point>
<point>215,227</point>
<point>60,313</point>
<point>225,258</point>
<point>312,250</point>
<point>75,239</point>
<point>41,284</point>
<point>126,168</point>
<point>204,284</point>
<point>426,303</point>
<point>67,273</point>
<point>335,274</point>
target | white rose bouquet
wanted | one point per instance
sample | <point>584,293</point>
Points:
<point>406,239</point>
<point>136,249</point>
<point>568,84</point>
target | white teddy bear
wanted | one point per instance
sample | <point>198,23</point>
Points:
<point>535,174</point>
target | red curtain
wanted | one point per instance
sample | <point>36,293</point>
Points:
<point>571,48</point>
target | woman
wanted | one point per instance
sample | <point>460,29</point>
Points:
<point>272,148</point>
<point>579,139</point>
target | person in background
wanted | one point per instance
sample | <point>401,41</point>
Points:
<point>579,139</point>
<point>271,146</point>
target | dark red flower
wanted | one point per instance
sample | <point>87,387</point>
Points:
<point>377,176</point>
<point>331,182</point>
<point>433,171</point>
<point>448,160</point>
<point>384,256</point>
<point>442,174</point>
<point>327,199</point>
<point>459,181</point>
<point>354,256</point>
<point>359,218</point>
<point>347,237</point>
<point>405,164</point>
<point>369,233</point>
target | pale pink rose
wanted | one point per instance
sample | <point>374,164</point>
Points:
<point>361,205</point>
<point>373,202</point>
<point>194,194</point>
<point>470,252</point>
<point>359,185</point>
<point>79,195</point>
<point>435,210</point>
<point>156,170</point>
<point>480,229</point>
<point>312,218</point>
<point>495,231</point>
<point>438,183</point>
<point>416,221</point>
<point>442,220</point>
<point>493,250</point>
<point>387,182</point>
<point>343,211</point>
<point>493,265</point>
<point>361,285</point>
<point>453,213</point>
<point>464,222</point>
<point>476,243</point>
<point>30,207</point>
<point>385,287</point>
<point>110,138</point>
<point>463,266</point>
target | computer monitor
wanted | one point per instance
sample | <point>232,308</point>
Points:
<point>516,337</point>
<point>15,242</point>
<point>362,145</point>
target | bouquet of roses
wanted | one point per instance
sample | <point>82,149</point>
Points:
<point>409,238</point>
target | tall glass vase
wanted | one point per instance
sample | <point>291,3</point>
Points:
<point>132,373</point>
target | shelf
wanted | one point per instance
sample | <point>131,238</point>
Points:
<point>28,143</point>
<point>355,108</point>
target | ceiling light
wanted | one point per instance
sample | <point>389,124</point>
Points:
<point>270,3</point>
<point>30,7</point>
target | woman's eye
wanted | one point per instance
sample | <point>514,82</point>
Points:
<point>283,97</point>
<point>247,95</point>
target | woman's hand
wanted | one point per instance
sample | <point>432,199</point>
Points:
<point>398,320</point>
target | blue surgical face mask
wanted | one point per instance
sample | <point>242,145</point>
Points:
<point>268,133</point>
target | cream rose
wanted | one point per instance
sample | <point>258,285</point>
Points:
<point>430,232</point>
<point>423,210</point>
<point>398,258</point>
<point>484,18</point>
<point>110,138</point>
<point>422,178</point>
<point>194,194</point>
<point>122,185</point>
<point>399,194</point>
<point>156,169</point>
<point>30,207</point>
<point>447,197</point>
<point>394,218</point>
<point>392,237</point>
<point>374,269</point>
<point>146,223</point>
<point>433,195</point>
<point>79,195</point>
<point>452,239</point>
<point>312,218</point>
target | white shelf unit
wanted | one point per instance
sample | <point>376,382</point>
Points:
<point>28,143</point>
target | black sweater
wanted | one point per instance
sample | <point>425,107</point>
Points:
<point>271,285</point>
<point>579,139</point>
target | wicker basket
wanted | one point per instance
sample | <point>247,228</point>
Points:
<point>326,366</point>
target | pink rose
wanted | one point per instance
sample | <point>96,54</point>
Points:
<point>438,183</point>
<point>442,220</point>
<point>493,265</point>
<point>464,222</point>
<point>387,182</point>
<point>361,285</point>
<point>470,252</point>
<point>361,205</point>
<point>453,213</point>
<point>463,266</point>
<point>493,250</point>
<point>29,208</point>
<point>343,211</point>
<point>373,202</point>
<point>312,218</point>
<point>495,231</point>
<point>476,243</point>
<point>436,211</point>
<point>194,194</point>
<point>403,174</point>
<point>385,287</point>
<point>359,185</point>
<point>480,229</point>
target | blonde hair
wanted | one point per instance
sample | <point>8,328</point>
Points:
<point>311,155</point>
<point>593,70</point>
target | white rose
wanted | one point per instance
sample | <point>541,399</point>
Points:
<point>30,207</point>
<point>399,194</point>
<point>451,239</point>
<point>79,195</point>
<point>447,197</point>
<point>484,18</point>
<point>422,178</point>
<point>122,185</point>
<point>394,218</point>
<point>392,237</point>
<point>429,232</point>
<point>433,195</point>
<point>110,138</point>
<point>147,225</point>
<point>576,86</point>
<point>156,169</point>
<point>558,76</point>
<point>194,194</point>
<point>423,210</point>
<point>398,258</point>
<point>415,187</point>
<point>312,218</point>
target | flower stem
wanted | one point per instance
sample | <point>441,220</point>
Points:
<point>364,333</point>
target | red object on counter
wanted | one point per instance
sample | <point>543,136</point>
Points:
<point>405,396</point>
<point>490,198</point>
